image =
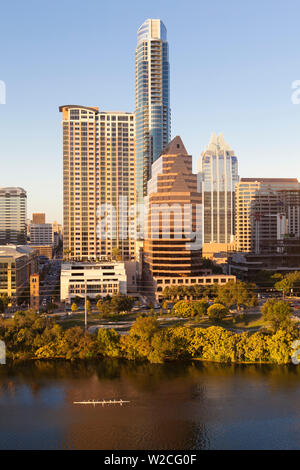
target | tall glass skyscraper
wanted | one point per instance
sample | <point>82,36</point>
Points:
<point>153,128</point>
<point>217,177</point>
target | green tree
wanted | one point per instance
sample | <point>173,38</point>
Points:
<point>4,301</point>
<point>108,342</point>
<point>184,309</point>
<point>289,283</point>
<point>237,294</point>
<point>138,343</point>
<point>277,313</point>
<point>121,303</point>
<point>116,254</point>
<point>200,307</point>
<point>252,348</point>
<point>104,307</point>
<point>217,312</point>
<point>88,305</point>
<point>209,264</point>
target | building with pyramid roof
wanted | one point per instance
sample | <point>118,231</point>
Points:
<point>172,247</point>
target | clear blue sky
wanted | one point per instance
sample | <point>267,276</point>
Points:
<point>232,65</point>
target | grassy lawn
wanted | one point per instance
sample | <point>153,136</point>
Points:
<point>251,322</point>
<point>77,319</point>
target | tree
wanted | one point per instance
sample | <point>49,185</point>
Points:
<point>200,307</point>
<point>104,307</point>
<point>77,300</point>
<point>121,303</point>
<point>88,305</point>
<point>116,254</point>
<point>237,294</point>
<point>4,301</point>
<point>51,307</point>
<point>267,279</point>
<point>108,342</point>
<point>184,309</point>
<point>138,342</point>
<point>290,282</point>
<point>278,313</point>
<point>74,307</point>
<point>209,264</point>
<point>198,291</point>
<point>217,312</point>
<point>165,306</point>
<point>210,291</point>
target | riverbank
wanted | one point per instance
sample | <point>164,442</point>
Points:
<point>29,336</point>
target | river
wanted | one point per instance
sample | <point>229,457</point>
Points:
<point>190,405</point>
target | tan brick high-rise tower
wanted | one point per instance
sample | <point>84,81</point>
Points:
<point>99,174</point>
<point>173,228</point>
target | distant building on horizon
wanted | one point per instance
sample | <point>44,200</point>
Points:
<point>152,99</point>
<point>13,206</point>
<point>217,178</point>
<point>38,218</point>
<point>99,183</point>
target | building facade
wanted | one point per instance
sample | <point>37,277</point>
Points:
<point>153,115</point>
<point>172,246</point>
<point>41,234</point>
<point>13,205</point>
<point>35,292</point>
<point>99,183</point>
<point>17,263</point>
<point>206,280</point>
<point>217,179</point>
<point>267,210</point>
<point>39,218</point>
<point>92,279</point>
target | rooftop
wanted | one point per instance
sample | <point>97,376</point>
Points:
<point>15,250</point>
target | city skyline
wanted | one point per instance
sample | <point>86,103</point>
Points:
<point>251,105</point>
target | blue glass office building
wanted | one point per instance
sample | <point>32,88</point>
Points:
<point>153,129</point>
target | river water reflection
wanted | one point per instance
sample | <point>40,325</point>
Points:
<point>190,405</point>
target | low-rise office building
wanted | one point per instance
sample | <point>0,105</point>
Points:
<point>44,250</point>
<point>206,280</point>
<point>17,263</point>
<point>284,258</point>
<point>92,279</point>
